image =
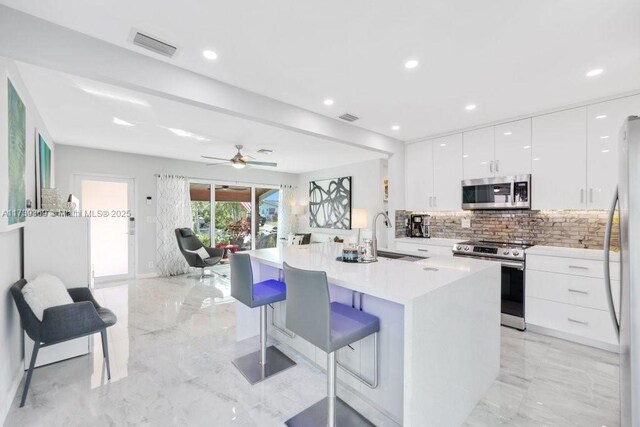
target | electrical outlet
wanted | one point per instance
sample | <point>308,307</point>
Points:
<point>150,264</point>
<point>466,223</point>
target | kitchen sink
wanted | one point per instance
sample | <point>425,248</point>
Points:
<point>401,257</point>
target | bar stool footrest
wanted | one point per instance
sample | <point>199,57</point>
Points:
<point>316,415</point>
<point>250,367</point>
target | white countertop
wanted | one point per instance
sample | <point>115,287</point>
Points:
<point>393,280</point>
<point>436,241</point>
<point>579,253</point>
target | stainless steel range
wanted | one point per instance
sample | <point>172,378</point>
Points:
<point>511,256</point>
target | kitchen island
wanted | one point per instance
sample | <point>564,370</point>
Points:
<point>439,345</point>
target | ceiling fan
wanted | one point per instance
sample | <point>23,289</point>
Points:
<point>240,160</point>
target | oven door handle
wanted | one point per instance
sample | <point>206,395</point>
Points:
<point>504,263</point>
<point>517,265</point>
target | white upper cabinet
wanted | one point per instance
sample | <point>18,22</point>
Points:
<point>604,121</point>
<point>559,165</point>
<point>478,153</point>
<point>418,176</point>
<point>512,148</point>
<point>447,173</point>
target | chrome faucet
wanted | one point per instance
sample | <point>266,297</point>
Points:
<point>374,240</point>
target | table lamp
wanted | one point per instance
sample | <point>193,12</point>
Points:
<point>359,220</point>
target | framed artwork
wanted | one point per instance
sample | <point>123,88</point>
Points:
<point>330,203</point>
<point>14,182</point>
<point>43,167</point>
<point>385,190</point>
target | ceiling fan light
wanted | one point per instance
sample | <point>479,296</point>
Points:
<point>238,165</point>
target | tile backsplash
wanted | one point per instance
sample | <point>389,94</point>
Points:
<point>575,229</point>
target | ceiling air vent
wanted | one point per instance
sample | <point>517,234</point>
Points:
<point>349,117</point>
<point>154,45</point>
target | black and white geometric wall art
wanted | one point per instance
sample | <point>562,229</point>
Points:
<point>330,203</point>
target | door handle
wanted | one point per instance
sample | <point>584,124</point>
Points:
<point>578,267</point>
<point>497,165</point>
<point>607,272</point>
<point>591,195</point>
<point>430,201</point>
<point>578,291</point>
<point>578,321</point>
<point>423,250</point>
<point>582,195</point>
<point>435,201</point>
<point>491,166</point>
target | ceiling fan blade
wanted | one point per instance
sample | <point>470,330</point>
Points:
<point>262,163</point>
<point>214,158</point>
<point>245,157</point>
<point>216,164</point>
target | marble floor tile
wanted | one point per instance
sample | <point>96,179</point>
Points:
<point>171,353</point>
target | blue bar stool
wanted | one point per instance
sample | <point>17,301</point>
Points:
<point>268,361</point>
<point>329,326</point>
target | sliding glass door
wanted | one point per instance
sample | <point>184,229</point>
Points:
<point>233,212</point>
<point>266,221</point>
<point>201,211</point>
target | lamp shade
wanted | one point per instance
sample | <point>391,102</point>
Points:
<point>359,218</point>
<point>297,209</point>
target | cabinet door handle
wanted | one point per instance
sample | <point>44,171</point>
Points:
<point>591,195</point>
<point>578,291</point>
<point>435,201</point>
<point>430,201</point>
<point>497,165</point>
<point>491,166</point>
<point>423,250</point>
<point>582,195</point>
<point>578,267</point>
<point>577,321</point>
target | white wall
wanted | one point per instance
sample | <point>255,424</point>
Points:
<point>366,193</point>
<point>72,161</point>
<point>10,242</point>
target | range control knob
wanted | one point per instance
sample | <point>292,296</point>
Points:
<point>505,252</point>
<point>458,247</point>
<point>466,248</point>
<point>516,252</point>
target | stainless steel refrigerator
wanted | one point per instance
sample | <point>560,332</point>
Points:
<point>627,326</point>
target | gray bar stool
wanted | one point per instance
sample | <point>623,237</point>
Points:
<point>268,361</point>
<point>329,326</point>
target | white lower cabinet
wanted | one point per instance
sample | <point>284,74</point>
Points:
<point>567,297</point>
<point>423,247</point>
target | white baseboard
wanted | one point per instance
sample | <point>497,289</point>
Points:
<point>147,275</point>
<point>573,338</point>
<point>8,399</point>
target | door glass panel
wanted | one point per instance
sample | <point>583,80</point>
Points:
<point>108,203</point>
<point>266,220</point>
<point>201,211</point>
<point>233,217</point>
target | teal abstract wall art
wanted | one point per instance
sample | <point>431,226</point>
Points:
<point>44,168</point>
<point>17,157</point>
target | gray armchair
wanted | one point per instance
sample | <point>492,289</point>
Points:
<point>188,242</point>
<point>63,323</point>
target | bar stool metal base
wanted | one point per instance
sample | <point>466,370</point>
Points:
<point>249,365</point>
<point>316,415</point>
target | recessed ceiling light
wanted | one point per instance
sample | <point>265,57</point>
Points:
<point>186,134</point>
<point>604,137</point>
<point>526,147</point>
<point>465,155</point>
<point>114,96</point>
<point>443,145</point>
<point>601,116</point>
<point>594,72</point>
<point>507,133</point>
<point>328,102</point>
<point>470,107</point>
<point>121,122</point>
<point>412,63</point>
<point>210,55</point>
<point>605,151</point>
<point>395,127</point>
<point>537,158</point>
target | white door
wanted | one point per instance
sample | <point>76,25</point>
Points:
<point>604,121</point>
<point>447,173</point>
<point>419,176</point>
<point>478,153</point>
<point>559,165</point>
<point>110,203</point>
<point>513,148</point>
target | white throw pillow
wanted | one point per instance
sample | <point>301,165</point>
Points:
<point>202,252</point>
<point>43,292</point>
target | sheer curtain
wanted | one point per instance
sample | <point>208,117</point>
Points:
<point>174,211</point>
<point>286,219</point>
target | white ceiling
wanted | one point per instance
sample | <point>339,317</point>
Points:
<point>510,57</point>
<point>79,111</point>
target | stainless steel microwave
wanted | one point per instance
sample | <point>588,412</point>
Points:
<point>507,192</point>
